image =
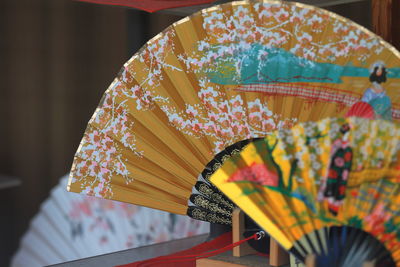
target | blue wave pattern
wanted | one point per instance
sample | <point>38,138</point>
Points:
<point>261,65</point>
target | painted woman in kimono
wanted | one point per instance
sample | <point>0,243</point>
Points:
<point>375,95</point>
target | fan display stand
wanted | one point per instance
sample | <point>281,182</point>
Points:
<point>278,256</point>
<point>227,260</point>
<point>248,256</point>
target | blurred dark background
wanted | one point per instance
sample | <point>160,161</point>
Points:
<point>57,57</point>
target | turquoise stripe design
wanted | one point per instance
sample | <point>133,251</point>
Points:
<point>263,65</point>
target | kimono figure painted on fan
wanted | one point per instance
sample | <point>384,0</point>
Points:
<point>333,187</point>
<point>375,95</point>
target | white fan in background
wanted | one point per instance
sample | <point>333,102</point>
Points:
<point>72,226</point>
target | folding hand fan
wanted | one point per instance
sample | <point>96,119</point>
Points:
<point>71,226</point>
<point>329,188</point>
<point>226,74</point>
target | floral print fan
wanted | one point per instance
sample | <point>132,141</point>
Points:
<point>328,188</point>
<point>226,74</point>
<point>71,226</point>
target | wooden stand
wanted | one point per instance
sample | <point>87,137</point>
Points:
<point>245,255</point>
<point>238,228</point>
<point>277,255</point>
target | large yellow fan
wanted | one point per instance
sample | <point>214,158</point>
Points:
<point>225,74</point>
<point>329,188</point>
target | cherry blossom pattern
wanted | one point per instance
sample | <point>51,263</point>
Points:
<point>225,119</point>
<point>276,25</point>
<point>99,154</point>
<point>112,128</point>
<point>154,56</point>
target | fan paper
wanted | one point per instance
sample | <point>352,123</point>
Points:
<point>228,73</point>
<point>335,172</point>
<point>71,227</point>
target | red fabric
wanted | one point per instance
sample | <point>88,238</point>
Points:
<point>362,110</point>
<point>215,244</point>
<point>150,5</point>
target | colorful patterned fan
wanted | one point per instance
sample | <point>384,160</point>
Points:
<point>226,74</point>
<point>329,188</point>
<point>71,226</point>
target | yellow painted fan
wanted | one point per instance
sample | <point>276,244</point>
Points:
<point>226,74</point>
<point>328,188</point>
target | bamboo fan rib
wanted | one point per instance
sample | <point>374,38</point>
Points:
<point>329,188</point>
<point>226,74</point>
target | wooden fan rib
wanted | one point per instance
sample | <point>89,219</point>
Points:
<point>145,196</point>
<point>185,42</point>
<point>156,124</point>
<point>190,150</point>
<point>153,181</point>
<point>150,200</point>
<point>180,175</point>
<point>166,88</point>
<point>289,103</point>
<point>154,145</point>
<point>157,121</point>
<point>142,180</point>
